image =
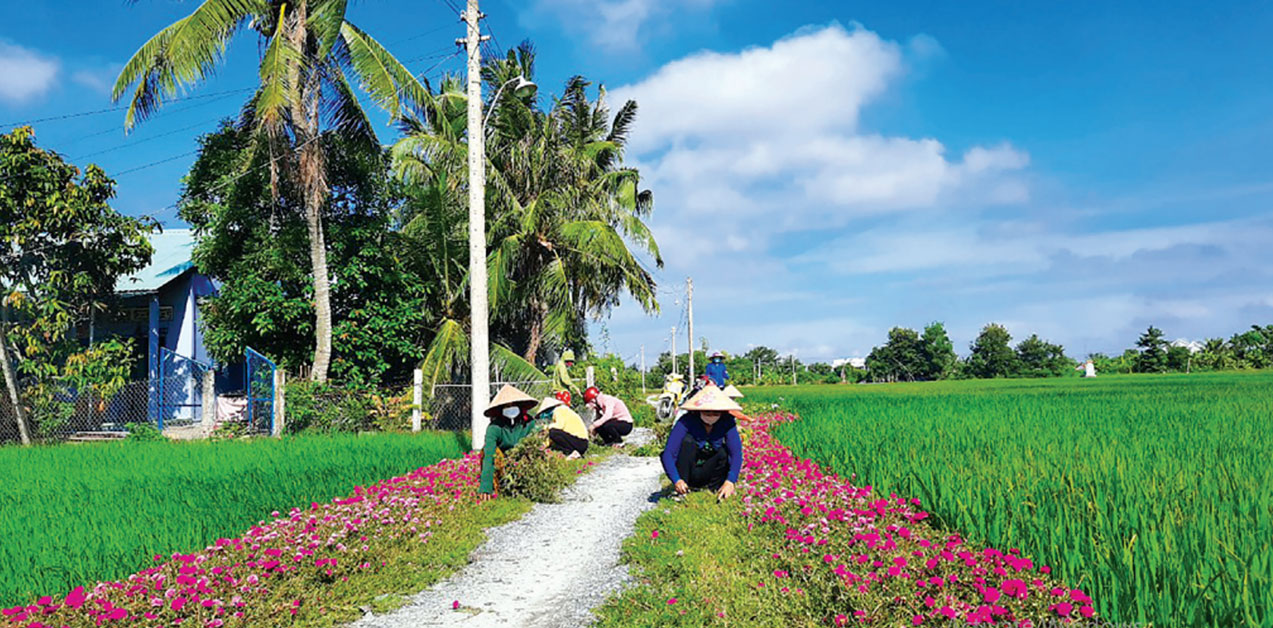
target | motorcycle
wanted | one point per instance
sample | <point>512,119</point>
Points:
<point>670,398</point>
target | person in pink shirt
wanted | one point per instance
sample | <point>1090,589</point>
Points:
<point>614,421</point>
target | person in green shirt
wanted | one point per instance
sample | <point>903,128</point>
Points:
<point>561,374</point>
<point>511,421</point>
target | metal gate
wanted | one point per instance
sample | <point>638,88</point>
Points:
<point>260,392</point>
<point>180,389</point>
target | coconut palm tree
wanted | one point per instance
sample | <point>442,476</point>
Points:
<point>309,52</point>
<point>566,211</point>
<point>431,160</point>
<point>560,209</point>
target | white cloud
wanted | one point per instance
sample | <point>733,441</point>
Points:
<point>1020,247</point>
<point>770,138</point>
<point>615,25</point>
<point>24,74</point>
<point>807,230</point>
<point>99,79</point>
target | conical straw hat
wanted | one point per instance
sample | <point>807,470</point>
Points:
<point>732,393</point>
<point>547,404</point>
<point>509,396</point>
<point>711,398</point>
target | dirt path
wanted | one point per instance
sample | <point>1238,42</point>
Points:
<point>550,567</point>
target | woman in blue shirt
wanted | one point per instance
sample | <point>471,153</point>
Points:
<point>704,449</point>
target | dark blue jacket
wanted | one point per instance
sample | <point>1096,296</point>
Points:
<point>716,371</point>
<point>724,434</point>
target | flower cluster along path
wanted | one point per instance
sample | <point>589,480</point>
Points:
<point>875,560</point>
<point>279,567</point>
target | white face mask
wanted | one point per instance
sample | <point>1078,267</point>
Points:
<point>709,418</point>
<point>511,412</point>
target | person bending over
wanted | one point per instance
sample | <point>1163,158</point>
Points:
<point>510,423</point>
<point>613,419</point>
<point>704,450</point>
<point>566,431</point>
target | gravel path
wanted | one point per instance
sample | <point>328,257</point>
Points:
<point>550,567</point>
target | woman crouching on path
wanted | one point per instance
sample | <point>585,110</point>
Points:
<point>566,431</point>
<point>510,423</point>
<point>704,449</point>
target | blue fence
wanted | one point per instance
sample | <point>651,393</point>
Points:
<point>180,389</point>
<point>260,392</point>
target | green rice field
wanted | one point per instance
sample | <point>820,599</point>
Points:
<point>1153,493</point>
<point>75,514</point>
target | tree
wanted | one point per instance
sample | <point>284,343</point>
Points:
<point>254,242</point>
<point>64,248</point>
<point>1153,352</point>
<point>1216,355</point>
<point>991,354</point>
<point>564,217</point>
<point>308,51</point>
<point>1253,348</point>
<point>939,352</point>
<point>560,213</point>
<point>1038,358</point>
<point>902,358</point>
<point>1179,359</point>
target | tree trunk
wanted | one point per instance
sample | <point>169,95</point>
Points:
<point>322,290</point>
<point>314,187</point>
<point>536,333</point>
<point>11,383</point>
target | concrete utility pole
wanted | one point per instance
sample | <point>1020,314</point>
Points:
<point>643,370</point>
<point>689,303</point>
<point>673,349</point>
<point>793,369</point>
<point>479,347</point>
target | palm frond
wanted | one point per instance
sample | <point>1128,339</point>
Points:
<point>277,94</point>
<point>513,367</point>
<point>182,54</point>
<point>325,21</point>
<point>448,351</point>
<point>389,83</point>
<point>345,116</point>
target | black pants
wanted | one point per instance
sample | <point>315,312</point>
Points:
<point>565,442</point>
<point>702,468</point>
<point>612,432</point>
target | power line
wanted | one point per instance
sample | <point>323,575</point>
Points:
<point>81,114</point>
<point>155,163</point>
<point>143,141</point>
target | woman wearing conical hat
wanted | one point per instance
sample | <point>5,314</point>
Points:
<point>509,413</point>
<point>704,449</point>
<point>566,431</point>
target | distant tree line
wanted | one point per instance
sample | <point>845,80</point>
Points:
<point>909,355</point>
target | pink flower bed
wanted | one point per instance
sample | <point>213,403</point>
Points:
<point>274,568</point>
<point>876,560</point>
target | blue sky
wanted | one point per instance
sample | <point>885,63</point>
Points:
<point>828,170</point>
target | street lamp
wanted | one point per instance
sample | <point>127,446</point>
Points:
<point>479,345</point>
<point>522,88</point>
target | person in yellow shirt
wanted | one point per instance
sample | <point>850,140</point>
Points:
<point>567,433</point>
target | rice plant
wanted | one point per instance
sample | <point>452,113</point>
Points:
<point>71,515</point>
<point>1151,492</point>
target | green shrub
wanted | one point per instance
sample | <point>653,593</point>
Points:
<point>143,432</point>
<point>531,472</point>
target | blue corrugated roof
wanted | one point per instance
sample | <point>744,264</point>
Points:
<point>173,250</point>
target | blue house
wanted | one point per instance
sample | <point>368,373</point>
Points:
<point>159,308</point>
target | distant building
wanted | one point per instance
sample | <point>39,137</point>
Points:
<point>1193,346</point>
<point>158,308</point>
<point>857,363</point>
